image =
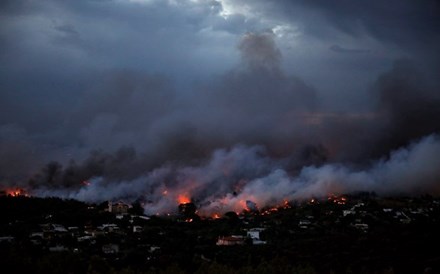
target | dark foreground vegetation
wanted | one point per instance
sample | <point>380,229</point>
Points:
<point>360,234</point>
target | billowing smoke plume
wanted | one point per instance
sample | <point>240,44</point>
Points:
<point>232,179</point>
<point>259,51</point>
<point>253,134</point>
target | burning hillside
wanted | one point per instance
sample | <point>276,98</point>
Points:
<point>197,109</point>
<point>255,181</point>
<point>14,192</point>
<point>252,140</point>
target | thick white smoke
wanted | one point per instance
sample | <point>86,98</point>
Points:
<point>232,177</point>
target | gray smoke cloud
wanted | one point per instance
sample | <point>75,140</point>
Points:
<point>259,51</point>
<point>245,108</point>
<point>255,105</point>
<point>232,178</point>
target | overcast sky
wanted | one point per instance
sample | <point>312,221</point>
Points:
<point>177,79</point>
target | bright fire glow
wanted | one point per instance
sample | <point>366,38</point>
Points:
<point>340,200</point>
<point>243,205</point>
<point>284,205</point>
<point>16,192</point>
<point>183,199</point>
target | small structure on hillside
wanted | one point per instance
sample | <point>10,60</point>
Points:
<point>118,207</point>
<point>110,249</point>
<point>254,235</point>
<point>231,240</point>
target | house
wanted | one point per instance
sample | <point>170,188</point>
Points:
<point>402,217</point>
<point>118,207</point>
<point>230,240</point>
<point>361,226</point>
<point>36,238</point>
<point>137,229</point>
<point>348,212</point>
<point>37,235</point>
<point>110,249</point>
<point>58,248</point>
<point>85,238</point>
<point>108,227</point>
<point>7,239</point>
<point>74,230</point>
<point>154,249</point>
<point>254,234</point>
<point>57,228</point>
<point>304,223</point>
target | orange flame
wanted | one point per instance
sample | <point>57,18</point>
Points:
<point>183,199</point>
<point>243,205</point>
<point>337,200</point>
<point>16,192</point>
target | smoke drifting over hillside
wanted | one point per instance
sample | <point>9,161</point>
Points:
<point>256,135</point>
<point>263,129</point>
<point>230,178</point>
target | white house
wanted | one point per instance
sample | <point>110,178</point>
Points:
<point>254,234</point>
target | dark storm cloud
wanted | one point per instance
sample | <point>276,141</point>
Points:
<point>394,21</point>
<point>229,95</point>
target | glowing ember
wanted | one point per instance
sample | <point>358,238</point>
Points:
<point>269,211</point>
<point>286,205</point>
<point>183,199</point>
<point>16,192</point>
<point>243,205</point>
<point>337,200</point>
<point>216,216</point>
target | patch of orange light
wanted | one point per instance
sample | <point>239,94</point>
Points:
<point>269,211</point>
<point>337,200</point>
<point>216,216</point>
<point>183,199</point>
<point>243,205</point>
<point>16,192</point>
